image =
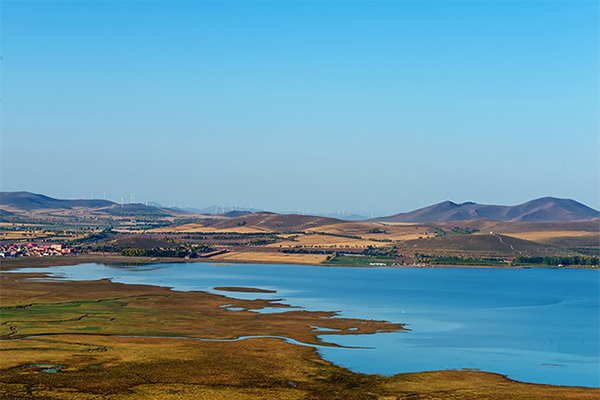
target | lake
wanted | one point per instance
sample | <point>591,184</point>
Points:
<point>534,325</point>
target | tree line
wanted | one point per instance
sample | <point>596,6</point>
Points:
<point>179,252</point>
<point>557,260</point>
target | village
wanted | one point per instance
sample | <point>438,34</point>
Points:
<point>34,250</point>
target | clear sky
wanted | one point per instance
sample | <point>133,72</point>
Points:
<point>316,106</point>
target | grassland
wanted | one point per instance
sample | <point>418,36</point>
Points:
<point>299,239</point>
<point>269,257</point>
<point>34,308</point>
<point>484,245</point>
<point>309,235</point>
<point>36,233</point>
<point>90,340</point>
<point>325,241</point>
<point>57,343</point>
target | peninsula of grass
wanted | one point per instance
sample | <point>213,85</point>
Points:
<point>243,289</point>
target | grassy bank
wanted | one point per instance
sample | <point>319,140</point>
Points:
<point>8,264</point>
<point>363,261</point>
<point>240,258</point>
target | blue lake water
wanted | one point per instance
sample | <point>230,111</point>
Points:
<point>534,325</point>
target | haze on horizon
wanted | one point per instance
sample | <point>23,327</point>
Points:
<point>379,107</point>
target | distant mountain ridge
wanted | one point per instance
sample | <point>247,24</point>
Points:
<point>30,201</point>
<point>25,203</point>
<point>213,210</point>
<point>546,209</point>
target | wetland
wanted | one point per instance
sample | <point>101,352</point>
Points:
<point>326,332</point>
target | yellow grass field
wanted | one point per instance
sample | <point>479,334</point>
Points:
<point>362,229</point>
<point>547,234</point>
<point>32,236</point>
<point>19,225</point>
<point>392,231</point>
<point>269,258</point>
<point>326,241</point>
<point>195,227</point>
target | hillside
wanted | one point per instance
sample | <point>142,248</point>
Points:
<point>25,201</point>
<point>138,242</point>
<point>267,221</point>
<point>508,227</point>
<point>488,244</point>
<point>139,210</point>
<point>547,209</point>
<point>25,204</point>
<point>235,213</point>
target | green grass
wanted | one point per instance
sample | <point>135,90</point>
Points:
<point>76,316</point>
<point>453,260</point>
<point>362,261</point>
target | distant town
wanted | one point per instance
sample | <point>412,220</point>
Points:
<point>34,250</point>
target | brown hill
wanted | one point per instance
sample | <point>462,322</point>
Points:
<point>585,244</point>
<point>25,201</point>
<point>234,213</point>
<point>547,209</point>
<point>490,244</point>
<point>267,221</point>
<point>131,210</point>
<point>487,225</point>
<point>31,204</point>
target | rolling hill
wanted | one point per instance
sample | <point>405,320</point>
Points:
<point>31,204</point>
<point>268,221</point>
<point>235,214</point>
<point>490,244</point>
<point>25,201</point>
<point>547,209</point>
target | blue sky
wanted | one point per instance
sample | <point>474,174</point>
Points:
<point>376,107</point>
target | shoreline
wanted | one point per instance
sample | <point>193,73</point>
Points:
<point>8,264</point>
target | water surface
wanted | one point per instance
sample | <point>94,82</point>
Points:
<point>534,325</point>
